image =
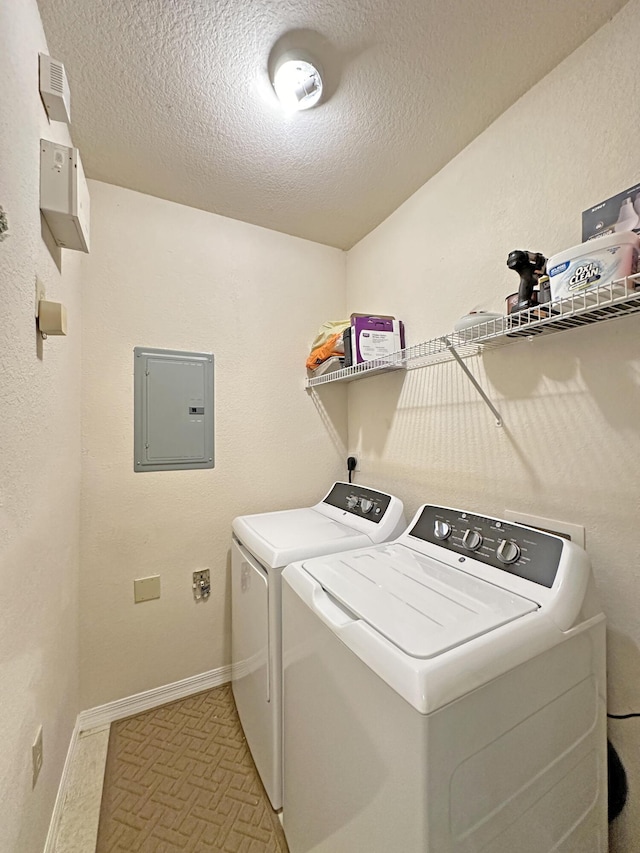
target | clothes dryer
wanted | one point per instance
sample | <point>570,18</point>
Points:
<point>445,693</point>
<point>349,516</point>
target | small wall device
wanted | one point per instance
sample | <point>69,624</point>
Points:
<point>64,195</point>
<point>54,89</point>
<point>52,318</point>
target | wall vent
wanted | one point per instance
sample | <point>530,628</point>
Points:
<point>54,89</point>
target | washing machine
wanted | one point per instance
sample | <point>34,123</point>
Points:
<point>445,693</point>
<point>349,516</point>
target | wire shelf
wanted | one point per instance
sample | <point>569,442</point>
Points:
<point>618,298</point>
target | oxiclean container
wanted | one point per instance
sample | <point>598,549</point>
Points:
<point>594,263</point>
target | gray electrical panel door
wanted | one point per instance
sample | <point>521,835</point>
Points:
<point>173,410</point>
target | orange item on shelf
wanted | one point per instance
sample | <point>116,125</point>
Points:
<point>325,351</point>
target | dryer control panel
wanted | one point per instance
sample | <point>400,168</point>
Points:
<point>365,503</point>
<point>531,554</point>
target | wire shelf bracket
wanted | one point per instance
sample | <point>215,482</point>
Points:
<point>473,380</point>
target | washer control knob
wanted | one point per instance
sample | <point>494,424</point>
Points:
<point>442,530</point>
<point>508,551</point>
<point>471,540</point>
<point>352,502</point>
<point>366,505</point>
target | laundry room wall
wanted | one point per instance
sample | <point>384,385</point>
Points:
<point>39,456</point>
<point>570,445</point>
<point>165,275</point>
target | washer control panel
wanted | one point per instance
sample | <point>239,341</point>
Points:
<point>365,503</point>
<point>530,554</point>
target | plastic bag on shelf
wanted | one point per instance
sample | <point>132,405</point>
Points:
<point>327,343</point>
<point>327,330</point>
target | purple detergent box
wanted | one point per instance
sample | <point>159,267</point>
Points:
<point>375,337</point>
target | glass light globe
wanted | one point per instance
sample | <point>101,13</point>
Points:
<point>298,84</point>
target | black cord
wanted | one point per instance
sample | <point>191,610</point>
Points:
<point>622,716</point>
<point>350,473</point>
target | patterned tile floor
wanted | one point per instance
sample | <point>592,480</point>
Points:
<point>181,778</point>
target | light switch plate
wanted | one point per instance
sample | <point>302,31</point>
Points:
<point>146,589</point>
<point>41,294</point>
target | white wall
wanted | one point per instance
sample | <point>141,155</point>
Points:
<point>570,447</point>
<point>39,457</point>
<point>164,275</point>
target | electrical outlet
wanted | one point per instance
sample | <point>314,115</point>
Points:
<point>36,757</point>
<point>352,466</point>
<point>201,585</point>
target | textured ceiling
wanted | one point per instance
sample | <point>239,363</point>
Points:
<point>172,97</point>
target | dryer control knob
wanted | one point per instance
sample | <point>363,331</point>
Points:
<point>472,540</point>
<point>442,530</point>
<point>508,551</point>
<point>366,505</point>
<point>352,502</point>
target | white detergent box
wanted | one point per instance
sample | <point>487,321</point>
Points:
<point>621,212</point>
<point>593,264</point>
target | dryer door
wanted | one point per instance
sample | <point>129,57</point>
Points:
<point>250,625</point>
<point>256,681</point>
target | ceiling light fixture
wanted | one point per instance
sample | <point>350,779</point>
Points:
<point>297,80</point>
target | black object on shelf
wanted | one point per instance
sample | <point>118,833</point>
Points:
<point>346,340</point>
<point>530,266</point>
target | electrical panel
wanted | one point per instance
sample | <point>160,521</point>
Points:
<point>173,410</point>
<point>64,195</point>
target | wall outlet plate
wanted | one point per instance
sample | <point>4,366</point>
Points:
<point>36,757</point>
<point>146,589</point>
<point>356,466</point>
<point>574,532</point>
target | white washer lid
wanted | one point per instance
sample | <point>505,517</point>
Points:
<point>421,605</point>
<point>280,538</point>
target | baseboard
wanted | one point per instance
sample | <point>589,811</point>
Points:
<point>54,823</point>
<point>130,705</point>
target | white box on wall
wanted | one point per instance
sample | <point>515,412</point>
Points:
<point>64,195</point>
<point>54,89</point>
